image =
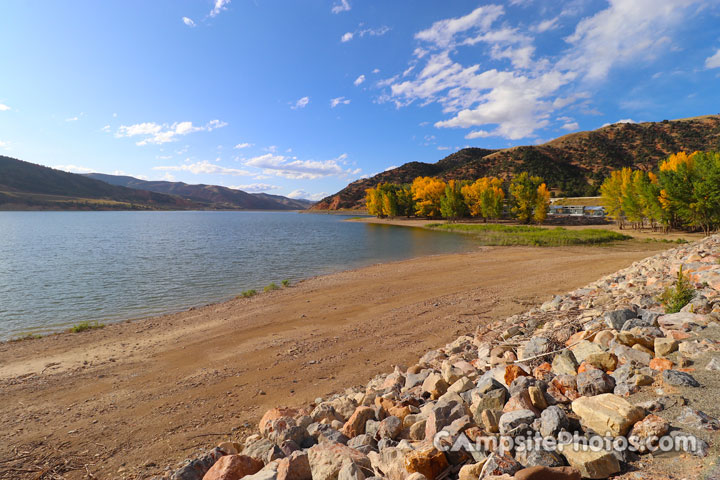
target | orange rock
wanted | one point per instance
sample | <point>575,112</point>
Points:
<point>521,401</point>
<point>430,462</point>
<point>512,372</point>
<point>233,467</point>
<point>356,423</point>
<point>543,371</point>
<point>400,412</point>
<point>576,337</point>
<point>677,335</point>
<point>659,364</point>
<point>274,414</point>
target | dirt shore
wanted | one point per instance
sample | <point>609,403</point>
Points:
<point>133,398</point>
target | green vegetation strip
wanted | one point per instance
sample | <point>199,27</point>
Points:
<point>504,235</point>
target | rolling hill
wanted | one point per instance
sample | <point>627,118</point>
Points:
<point>219,197</point>
<point>27,186</point>
<point>572,165</point>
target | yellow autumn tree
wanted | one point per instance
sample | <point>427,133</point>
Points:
<point>428,193</point>
<point>484,197</point>
<point>525,190</point>
<point>373,202</point>
<point>542,203</point>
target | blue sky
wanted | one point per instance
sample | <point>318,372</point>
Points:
<point>301,97</point>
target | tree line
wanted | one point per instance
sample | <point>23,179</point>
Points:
<point>525,198</point>
<point>683,194</point>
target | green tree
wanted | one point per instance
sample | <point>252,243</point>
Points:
<point>452,204</point>
<point>524,194</point>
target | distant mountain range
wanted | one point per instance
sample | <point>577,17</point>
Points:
<point>219,197</point>
<point>27,186</point>
<point>572,165</point>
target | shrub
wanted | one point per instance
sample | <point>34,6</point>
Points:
<point>248,293</point>
<point>82,326</point>
<point>271,287</point>
<point>676,297</point>
<point>285,283</point>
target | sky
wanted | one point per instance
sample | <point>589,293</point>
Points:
<point>301,97</point>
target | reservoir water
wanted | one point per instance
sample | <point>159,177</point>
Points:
<point>62,268</point>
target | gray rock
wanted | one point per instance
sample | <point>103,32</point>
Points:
<point>637,322</point>
<point>697,419</point>
<point>537,457</point>
<point>691,444</point>
<point>487,383</point>
<point>679,379</point>
<point>441,416</point>
<point>553,419</point>
<point>616,319</point>
<point>390,428</point>
<point>498,464</point>
<point>564,363</point>
<point>415,379</point>
<point>362,440</point>
<point>197,468</point>
<point>594,382</point>
<point>516,422</point>
<point>536,346</point>
<point>350,471</point>
<point>713,364</point>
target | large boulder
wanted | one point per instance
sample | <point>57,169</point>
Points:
<point>233,467</point>
<point>607,414</point>
<point>326,460</point>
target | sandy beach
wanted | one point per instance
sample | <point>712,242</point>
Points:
<point>131,399</point>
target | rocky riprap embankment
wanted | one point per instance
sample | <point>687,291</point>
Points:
<point>575,365</point>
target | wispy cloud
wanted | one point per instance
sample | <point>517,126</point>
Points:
<point>203,167</point>
<point>359,80</point>
<point>243,145</point>
<point>4,144</point>
<point>301,103</point>
<point>155,133</point>
<point>710,62</point>
<point>341,6</point>
<point>624,120</point>
<point>334,102</point>
<point>4,108</point>
<point>255,187</point>
<point>74,169</point>
<point>291,167</point>
<point>188,21</point>
<point>361,32</point>
<point>219,6</point>
<point>302,194</point>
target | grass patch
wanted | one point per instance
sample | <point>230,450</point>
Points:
<point>271,287</point>
<point>676,297</point>
<point>679,241</point>
<point>248,293</point>
<point>82,326</point>
<point>27,336</point>
<point>506,235</point>
<point>285,283</point>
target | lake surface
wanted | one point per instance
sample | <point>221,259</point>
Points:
<point>61,268</point>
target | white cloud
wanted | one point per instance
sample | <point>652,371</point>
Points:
<point>301,103</point>
<point>291,167</point>
<point>710,62</point>
<point>547,25</point>
<point>219,6</point>
<point>105,129</point>
<point>163,133</point>
<point>624,120</point>
<point>243,145</point>
<point>74,169</point>
<point>571,126</point>
<point>391,167</point>
<point>4,108</point>
<point>255,187</point>
<point>302,194</point>
<point>627,31</point>
<point>361,32</point>
<point>359,80</point>
<point>203,167</point>
<point>334,102</point>
<point>188,21</point>
<point>72,119</point>
<point>342,6</point>
<point>5,145</point>
<point>442,32</point>
<point>515,99</point>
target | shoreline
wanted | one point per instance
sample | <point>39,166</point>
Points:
<point>170,379</point>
